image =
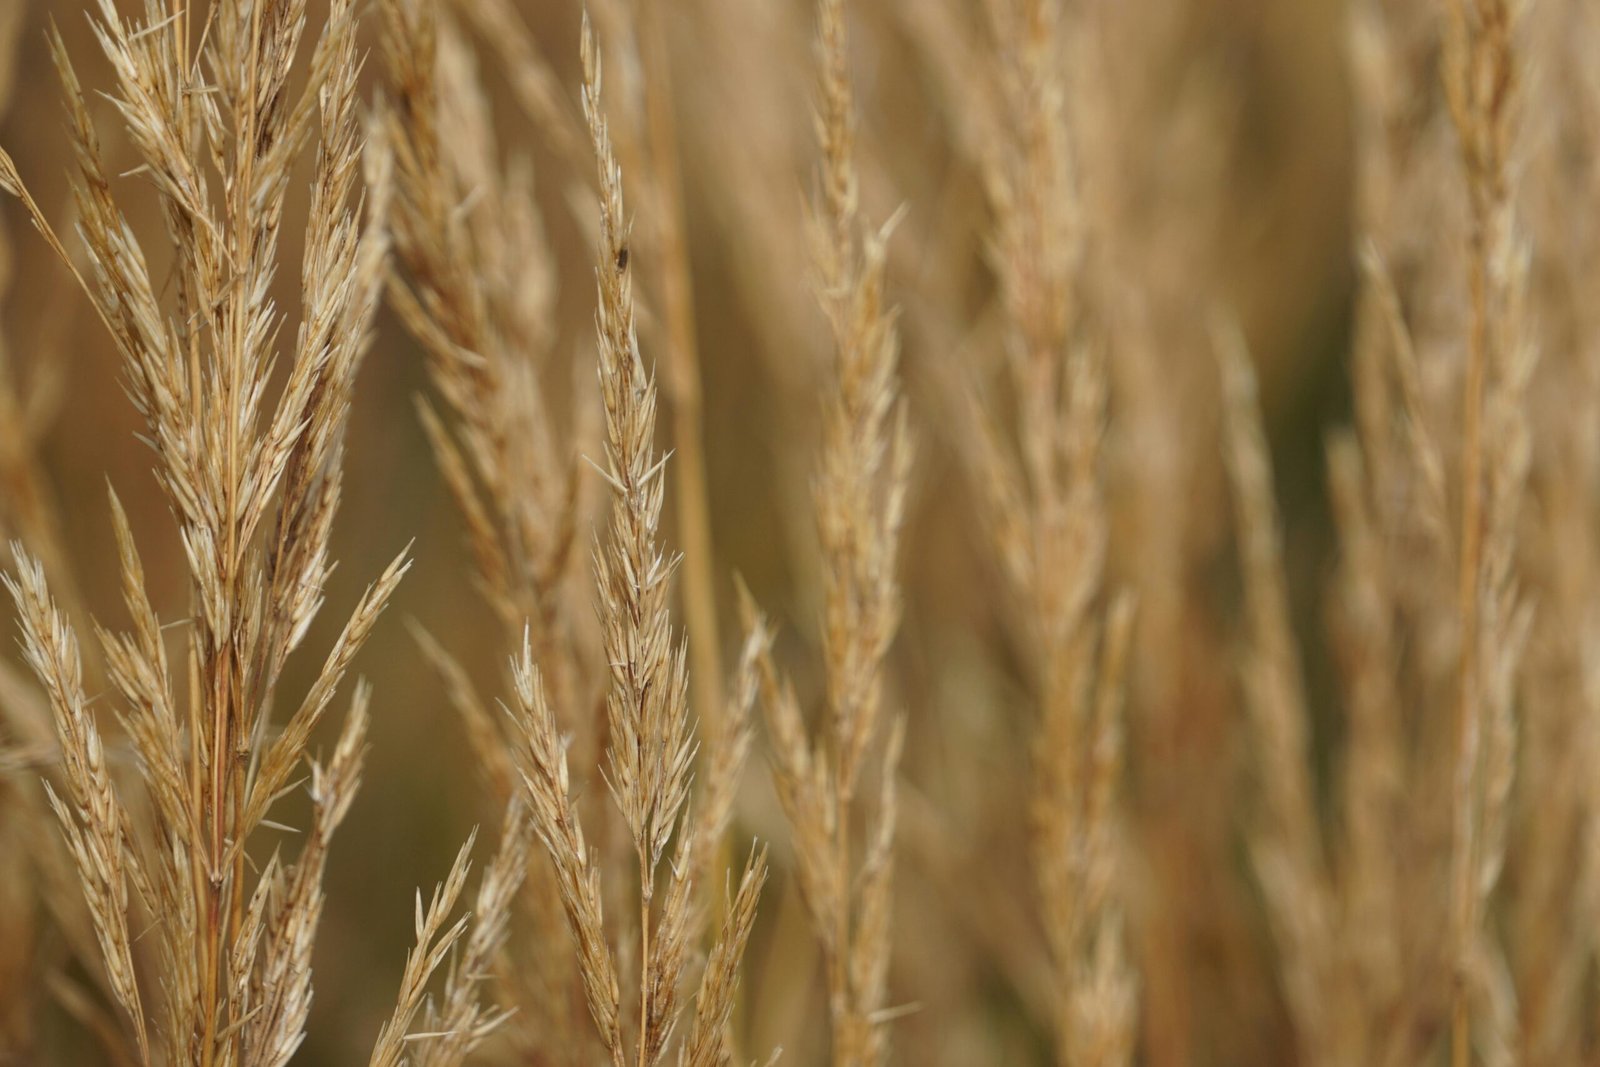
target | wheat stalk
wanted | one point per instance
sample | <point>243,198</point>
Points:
<point>1288,847</point>
<point>28,514</point>
<point>1481,77</point>
<point>1048,518</point>
<point>681,360</point>
<point>651,739</point>
<point>859,497</point>
<point>253,479</point>
<point>478,292</point>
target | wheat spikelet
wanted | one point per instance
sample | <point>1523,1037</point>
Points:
<point>859,498</point>
<point>1368,958</point>
<point>253,479</point>
<point>1211,761</point>
<point>29,515</point>
<point>1048,519</point>
<point>455,1024</point>
<point>1548,899</point>
<point>651,742</point>
<point>478,293</point>
<point>707,1044</point>
<point>1481,78</point>
<point>1288,849</point>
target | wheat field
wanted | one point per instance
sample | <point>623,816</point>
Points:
<point>840,532</point>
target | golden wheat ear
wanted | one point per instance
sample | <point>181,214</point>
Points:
<point>859,503</point>
<point>249,460</point>
<point>651,739</point>
<point>1036,446</point>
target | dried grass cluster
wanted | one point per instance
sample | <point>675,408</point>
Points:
<point>1059,763</point>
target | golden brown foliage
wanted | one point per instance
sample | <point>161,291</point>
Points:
<point>1214,683</point>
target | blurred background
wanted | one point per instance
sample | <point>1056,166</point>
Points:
<point>1230,130</point>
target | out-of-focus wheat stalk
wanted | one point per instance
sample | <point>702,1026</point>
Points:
<point>534,84</point>
<point>1387,951</point>
<point>1287,847</point>
<point>1554,901</point>
<point>27,509</point>
<point>1048,517</point>
<point>859,497</point>
<point>24,722</point>
<point>1368,958</point>
<point>651,746</point>
<point>478,292</point>
<point>1482,75</point>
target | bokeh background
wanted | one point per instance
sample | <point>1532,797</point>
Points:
<point>1232,133</point>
